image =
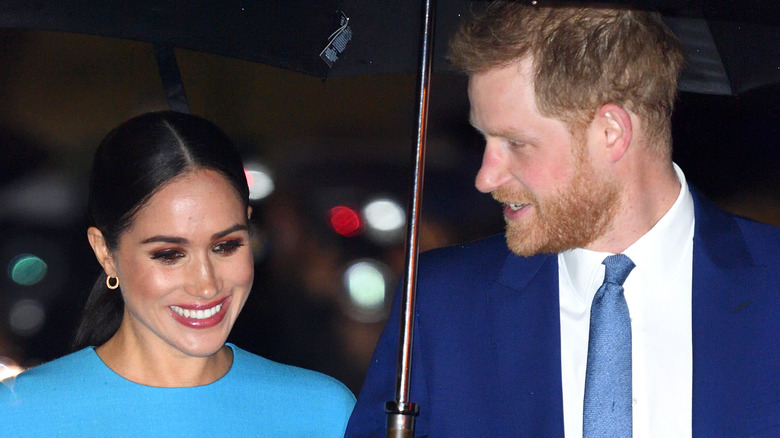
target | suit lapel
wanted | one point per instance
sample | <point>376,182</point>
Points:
<point>525,335</point>
<point>727,294</point>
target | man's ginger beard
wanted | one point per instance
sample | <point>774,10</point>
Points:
<point>573,217</point>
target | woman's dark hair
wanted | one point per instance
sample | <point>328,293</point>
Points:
<point>132,163</point>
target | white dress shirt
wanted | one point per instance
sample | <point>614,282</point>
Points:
<point>658,293</point>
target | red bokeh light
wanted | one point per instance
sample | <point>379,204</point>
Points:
<point>249,178</point>
<point>345,221</point>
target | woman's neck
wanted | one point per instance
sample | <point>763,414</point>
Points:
<point>153,362</point>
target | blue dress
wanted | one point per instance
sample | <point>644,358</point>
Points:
<point>78,395</point>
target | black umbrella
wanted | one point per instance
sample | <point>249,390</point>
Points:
<point>731,46</point>
<point>719,37</point>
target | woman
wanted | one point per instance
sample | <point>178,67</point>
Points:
<point>169,208</point>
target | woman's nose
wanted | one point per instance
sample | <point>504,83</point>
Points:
<point>204,280</point>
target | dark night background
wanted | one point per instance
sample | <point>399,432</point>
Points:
<point>329,142</point>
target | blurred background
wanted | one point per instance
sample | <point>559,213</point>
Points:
<point>329,162</point>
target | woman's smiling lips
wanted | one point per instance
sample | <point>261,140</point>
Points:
<point>200,315</point>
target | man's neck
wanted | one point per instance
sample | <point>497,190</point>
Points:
<point>648,191</point>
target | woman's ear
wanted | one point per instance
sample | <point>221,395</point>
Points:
<point>102,253</point>
<point>249,213</point>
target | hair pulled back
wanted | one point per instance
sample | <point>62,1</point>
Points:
<point>132,163</point>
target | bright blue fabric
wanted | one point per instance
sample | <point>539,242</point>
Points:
<point>78,395</point>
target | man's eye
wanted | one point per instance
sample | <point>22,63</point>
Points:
<point>167,255</point>
<point>515,144</point>
<point>229,247</point>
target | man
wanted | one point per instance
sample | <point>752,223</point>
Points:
<point>575,107</point>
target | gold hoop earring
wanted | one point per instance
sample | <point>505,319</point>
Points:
<point>112,286</point>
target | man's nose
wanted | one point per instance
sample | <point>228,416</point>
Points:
<point>493,173</point>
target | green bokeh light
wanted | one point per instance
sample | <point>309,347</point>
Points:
<point>366,285</point>
<point>27,269</point>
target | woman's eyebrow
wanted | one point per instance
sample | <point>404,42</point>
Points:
<point>165,239</point>
<point>182,240</point>
<point>236,227</point>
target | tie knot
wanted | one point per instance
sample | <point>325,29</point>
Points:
<point>618,268</point>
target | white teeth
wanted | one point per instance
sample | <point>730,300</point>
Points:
<point>197,314</point>
<point>516,207</point>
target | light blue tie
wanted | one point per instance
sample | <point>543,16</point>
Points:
<point>607,408</point>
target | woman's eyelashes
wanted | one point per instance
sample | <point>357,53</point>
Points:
<point>167,256</point>
<point>223,248</point>
<point>228,247</point>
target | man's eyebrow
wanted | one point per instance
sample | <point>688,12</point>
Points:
<point>182,240</point>
<point>504,133</point>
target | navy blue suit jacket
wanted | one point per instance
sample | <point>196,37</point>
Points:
<point>487,363</point>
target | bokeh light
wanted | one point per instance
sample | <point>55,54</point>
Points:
<point>27,269</point>
<point>385,220</point>
<point>384,215</point>
<point>35,264</point>
<point>366,282</point>
<point>8,370</point>
<point>345,221</point>
<point>26,317</point>
<point>259,180</point>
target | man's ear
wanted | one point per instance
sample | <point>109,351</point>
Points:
<point>102,253</point>
<point>615,126</point>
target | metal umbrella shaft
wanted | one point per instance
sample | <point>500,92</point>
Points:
<point>401,413</point>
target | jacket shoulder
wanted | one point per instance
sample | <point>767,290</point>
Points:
<point>762,240</point>
<point>477,255</point>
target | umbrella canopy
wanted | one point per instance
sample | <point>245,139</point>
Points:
<point>287,34</point>
<point>731,46</point>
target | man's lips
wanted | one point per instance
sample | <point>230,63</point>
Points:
<point>513,211</point>
<point>200,315</point>
<point>515,207</point>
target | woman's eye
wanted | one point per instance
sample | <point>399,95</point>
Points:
<point>167,255</point>
<point>229,247</point>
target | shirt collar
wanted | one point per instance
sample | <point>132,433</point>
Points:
<point>658,251</point>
